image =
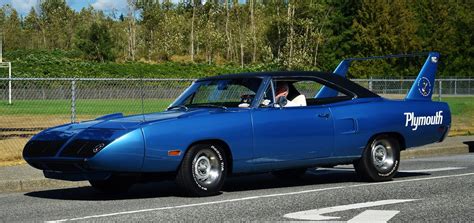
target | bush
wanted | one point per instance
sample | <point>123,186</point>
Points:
<point>57,63</point>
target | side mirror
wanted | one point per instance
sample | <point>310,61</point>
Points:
<point>282,101</point>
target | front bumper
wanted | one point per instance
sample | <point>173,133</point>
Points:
<point>76,176</point>
<point>68,169</point>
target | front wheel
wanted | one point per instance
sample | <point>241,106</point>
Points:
<point>203,170</point>
<point>380,159</point>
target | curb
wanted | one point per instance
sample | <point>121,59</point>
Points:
<point>44,184</point>
<point>37,184</point>
<point>434,151</point>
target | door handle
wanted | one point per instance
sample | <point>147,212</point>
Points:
<point>324,115</point>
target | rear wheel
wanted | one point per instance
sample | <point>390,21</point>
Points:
<point>289,174</point>
<point>112,185</point>
<point>203,170</point>
<point>380,159</point>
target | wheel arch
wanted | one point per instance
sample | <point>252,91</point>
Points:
<point>399,137</point>
<point>222,144</point>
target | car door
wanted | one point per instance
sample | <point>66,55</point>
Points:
<point>285,134</point>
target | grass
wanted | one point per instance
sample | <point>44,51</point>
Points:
<point>37,114</point>
<point>462,113</point>
<point>83,107</point>
<point>460,105</point>
<point>24,118</point>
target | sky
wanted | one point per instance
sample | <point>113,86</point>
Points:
<point>24,6</point>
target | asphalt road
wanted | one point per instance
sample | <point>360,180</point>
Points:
<point>428,189</point>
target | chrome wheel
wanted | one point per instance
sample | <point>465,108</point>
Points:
<point>206,168</point>
<point>383,157</point>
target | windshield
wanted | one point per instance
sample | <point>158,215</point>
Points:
<point>238,92</point>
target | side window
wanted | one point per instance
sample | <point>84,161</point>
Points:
<point>309,88</point>
<point>300,92</point>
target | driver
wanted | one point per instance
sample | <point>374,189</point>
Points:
<point>282,90</point>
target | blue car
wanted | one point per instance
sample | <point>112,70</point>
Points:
<point>278,122</point>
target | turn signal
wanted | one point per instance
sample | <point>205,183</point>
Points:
<point>174,152</point>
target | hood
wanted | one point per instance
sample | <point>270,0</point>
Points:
<point>134,121</point>
<point>111,126</point>
<point>75,138</point>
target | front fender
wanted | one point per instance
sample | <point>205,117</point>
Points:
<point>124,154</point>
<point>232,127</point>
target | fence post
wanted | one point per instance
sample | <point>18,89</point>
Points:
<point>370,84</point>
<point>440,88</point>
<point>384,86</point>
<point>10,83</point>
<point>73,101</point>
<point>143,97</point>
<point>469,85</point>
<point>455,86</point>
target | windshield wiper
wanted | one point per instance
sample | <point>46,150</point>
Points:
<point>178,107</point>
<point>211,106</point>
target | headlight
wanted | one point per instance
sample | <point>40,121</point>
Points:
<point>83,148</point>
<point>40,148</point>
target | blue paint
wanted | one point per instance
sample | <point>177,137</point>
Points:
<point>422,89</point>
<point>260,139</point>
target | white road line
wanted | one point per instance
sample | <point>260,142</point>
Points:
<point>258,197</point>
<point>315,172</point>
<point>373,216</point>
<point>432,170</point>
<point>318,214</point>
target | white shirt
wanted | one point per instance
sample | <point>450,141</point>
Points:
<point>300,100</point>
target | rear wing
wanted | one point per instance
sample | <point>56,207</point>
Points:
<point>422,88</point>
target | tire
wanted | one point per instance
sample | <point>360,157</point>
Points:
<point>380,159</point>
<point>113,185</point>
<point>289,174</point>
<point>203,170</point>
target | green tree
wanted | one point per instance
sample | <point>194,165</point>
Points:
<point>57,23</point>
<point>380,29</point>
<point>151,21</point>
<point>32,30</point>
<point>12,30</point>
<point>2,18</point>
<point>448,27</point>
<point>96,43</point>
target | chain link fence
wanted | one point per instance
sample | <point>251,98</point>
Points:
<point>39,103</point>
<point>398,88</point>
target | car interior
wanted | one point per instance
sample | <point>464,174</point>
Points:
<point>310,96</point>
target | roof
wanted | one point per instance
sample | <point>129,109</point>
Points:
<point>328,78</point>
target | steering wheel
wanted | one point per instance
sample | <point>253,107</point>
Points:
<point>247,98</point>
